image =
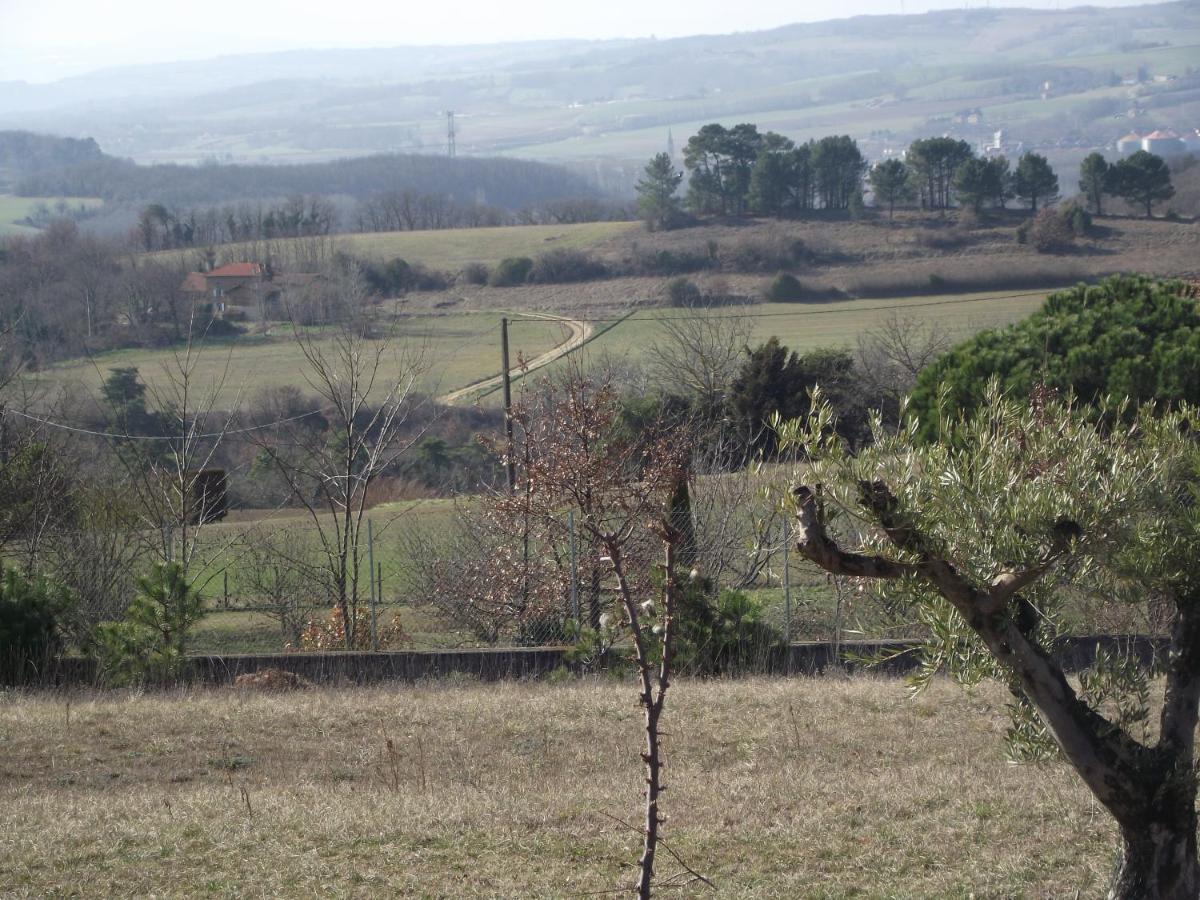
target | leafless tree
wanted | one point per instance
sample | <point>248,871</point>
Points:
<point>367,390</point>
<point>284,575</point>
<point>892,354</point>
<point>699,354</point>
<point>623,488</point>
<point>169,474</point>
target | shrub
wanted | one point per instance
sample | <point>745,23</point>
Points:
<point>1079,219</point>
<point>422,278</point>
<point>682,292</point>
<point>29,630</point>
<point>670,262</point>
<point>511,271</point>
<point>151,641</point>
<point>475,273</point>
<point>330,633</point>
<point>1051,232</point>
<point>857,209</point>
<point>564,265</point>
<point>785,288</point>
<point>224,327</point>
<point>721,634</point>
<point>772,253</point>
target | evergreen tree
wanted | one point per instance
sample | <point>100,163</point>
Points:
<point>1094,176</point>
<point>934,161</point>
<point>1142,179</point>
<point>772,181</point>
<point>839,167</point>
<point>976,182</point>
<point>1035,180</point>
<point>657,202</point>
<point>890,182</point>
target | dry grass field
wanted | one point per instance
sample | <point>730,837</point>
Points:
<point>778,788</point>
<point>446,249</point>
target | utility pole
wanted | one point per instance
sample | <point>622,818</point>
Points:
<point>509,466</point>
<point>451,149</point>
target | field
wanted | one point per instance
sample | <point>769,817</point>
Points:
<point>14,209</point>
<point>453,350</point>
<point>809,326</point>
<point>448,249</point>
<point>778,788</point>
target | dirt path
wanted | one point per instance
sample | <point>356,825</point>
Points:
<point>580,333</point>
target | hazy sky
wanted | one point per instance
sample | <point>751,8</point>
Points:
<point>41,40</point>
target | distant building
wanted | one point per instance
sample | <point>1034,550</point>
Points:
<point>1163,143</point>
<point>245,290</point>
<point>1131,143</point>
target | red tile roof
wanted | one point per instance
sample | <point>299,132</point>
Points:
<point>238,270</point>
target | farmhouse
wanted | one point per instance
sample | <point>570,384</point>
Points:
<point>246,290</point>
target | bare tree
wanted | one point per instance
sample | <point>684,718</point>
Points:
<point>177,489</point>
<point>478,578</point>
<point>891,355</point>
<point>571,456</point>
<point>367,390</point>
<point>284,576</point>
<point>699,354</point>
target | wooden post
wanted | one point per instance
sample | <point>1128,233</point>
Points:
<point>510,467</point>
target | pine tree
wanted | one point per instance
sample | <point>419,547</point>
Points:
<point>890,181</point>
<point>1094,176</point>
<point>656,193</point>
<point>1035,180</point>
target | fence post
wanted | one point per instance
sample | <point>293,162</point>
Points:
<point>371,579</point>
<point>787,598</point>
<point>225,586</point>
<point>574,570</point>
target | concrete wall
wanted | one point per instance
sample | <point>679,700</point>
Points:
<point>812,658</point>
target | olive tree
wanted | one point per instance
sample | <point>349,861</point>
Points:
<point>984,535</point>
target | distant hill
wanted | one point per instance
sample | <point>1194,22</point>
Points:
<point>1072,78</point>
<point>23,153</point>
<point>506,183</point>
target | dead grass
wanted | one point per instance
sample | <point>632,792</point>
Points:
<point>779,788</point>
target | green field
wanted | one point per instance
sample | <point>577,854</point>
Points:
<point>14,209</point>
<point>453,350</point>
<point>810,326</point>
<point>448,250</point>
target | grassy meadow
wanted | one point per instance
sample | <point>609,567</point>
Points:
<point>810,326</point>
<point>13,209</point>
<point>823,788</point>
<point>451,350</point>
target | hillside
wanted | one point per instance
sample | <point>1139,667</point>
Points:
<point>1053,79</point>
<point>507,183</point>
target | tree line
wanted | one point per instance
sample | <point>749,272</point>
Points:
<point>507,183</point>
<point>739,171</point>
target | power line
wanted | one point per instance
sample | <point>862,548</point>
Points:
<point>76,429</point>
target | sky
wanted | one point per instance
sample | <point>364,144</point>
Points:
<point>44,40</point>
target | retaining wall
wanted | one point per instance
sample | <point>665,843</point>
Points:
<point>809,658</point>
